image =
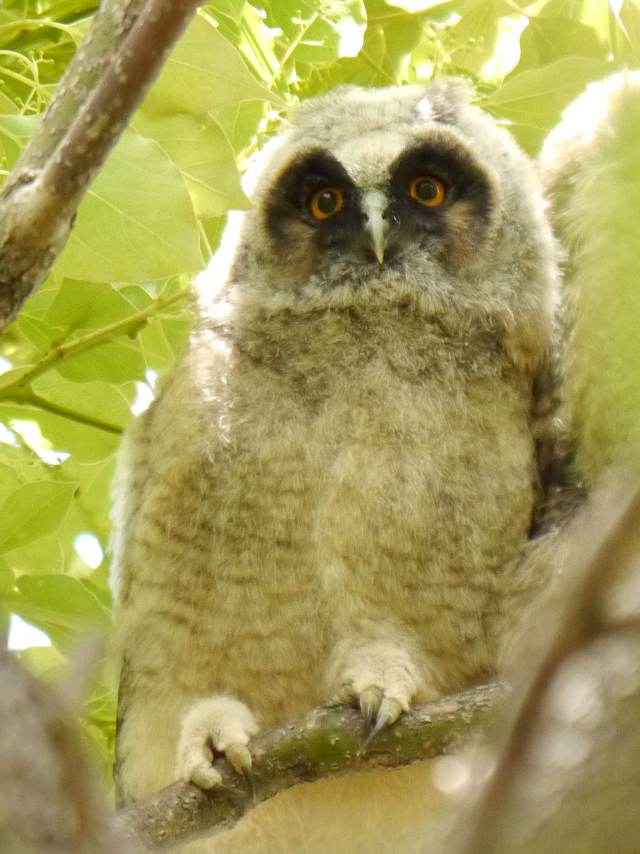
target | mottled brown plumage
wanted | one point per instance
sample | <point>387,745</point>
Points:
<point>334,491</point>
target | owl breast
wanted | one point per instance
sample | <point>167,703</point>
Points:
<point>348,493</point>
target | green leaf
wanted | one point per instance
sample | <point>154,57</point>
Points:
<point>42,557</point>
<point>240,122</point>
<point>13,376</point>
<point>593,13</point>
<point>36,331</point>
<point>546,40</point>
<point>476,33</point>
<point>98,399</point>
<point>64,607</point>
<point>625,32</point>
<point>390,37</point>
<point>15,130</point>
<point>203,71</point>
<point>7,105</point>
<point>537,97</point>
<point>136,223</point>
<point>86,305</point>
<point>32,511</point>
<point>94,402</point>
<point>163,340</point>
<point>231,9</point>
<point>115,362</point>
<point>200,149</point>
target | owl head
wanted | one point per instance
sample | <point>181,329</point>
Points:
<point>376,193</point>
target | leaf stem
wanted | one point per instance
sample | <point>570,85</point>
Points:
<point>30,398</point>
<point>88,341</point>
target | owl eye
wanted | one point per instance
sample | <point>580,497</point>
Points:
<point>427,190</point>
<point>326,202</point>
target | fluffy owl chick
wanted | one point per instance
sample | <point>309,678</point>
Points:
<point>333,492</point>
<point>591,171</point>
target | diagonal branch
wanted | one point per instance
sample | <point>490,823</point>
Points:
<point>109,27</point>
<point>327,742</point>
<point>42,195</point>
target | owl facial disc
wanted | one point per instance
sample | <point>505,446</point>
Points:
<point>374,206</point>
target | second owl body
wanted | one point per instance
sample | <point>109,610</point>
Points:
<point>334,491</point>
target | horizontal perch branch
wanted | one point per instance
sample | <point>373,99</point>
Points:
<point>327,742</point>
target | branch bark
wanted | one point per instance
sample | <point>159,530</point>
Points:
<point>327,742</point>
<point>116,63</point>
<point>51,800</point>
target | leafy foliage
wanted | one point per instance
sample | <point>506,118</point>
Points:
<point>85,350</point>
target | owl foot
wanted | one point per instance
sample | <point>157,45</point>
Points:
<point>216,724</point>
<point>382,680</point>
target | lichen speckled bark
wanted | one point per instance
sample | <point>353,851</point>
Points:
<point>99,93</point>
<point>326,743</point>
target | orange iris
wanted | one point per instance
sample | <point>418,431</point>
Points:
<point>326,202</point>
<point>427,190</point>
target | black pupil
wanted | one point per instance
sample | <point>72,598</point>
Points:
<point>426,190</point>
<point>326,201</point>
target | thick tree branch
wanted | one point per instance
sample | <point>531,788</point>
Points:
<point>43,194</point>
<point>109,28</point>
<point>326,743</point>
<point>51,800</point>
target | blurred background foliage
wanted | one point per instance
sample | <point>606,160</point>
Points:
<point>83,356</point>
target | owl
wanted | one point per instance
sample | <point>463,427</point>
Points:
<point>333,495</point>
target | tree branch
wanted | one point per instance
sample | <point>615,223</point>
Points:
<point>44,191</point>
<point>51,800</point>
<point>109,28</point>
<point>327,742</point>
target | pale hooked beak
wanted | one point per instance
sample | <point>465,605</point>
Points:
<point>374,205</point>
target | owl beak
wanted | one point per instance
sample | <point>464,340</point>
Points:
<point>374,206</point>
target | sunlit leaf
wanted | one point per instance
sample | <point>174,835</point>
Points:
<point>200,149</point>
<point>32,511</point>
<point>625,32</point>
<point>547,40</point>
<point>86,305</point>
<point>136,222</point>
<point>203,71</point>
<point>64,607</point>
<point>537,97</point>
<point>476,33</point>
<point>592,13</point>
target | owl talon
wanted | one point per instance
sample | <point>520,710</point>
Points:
<point>388,713</point>
<point>370,700</point>
<point>240,758</point>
